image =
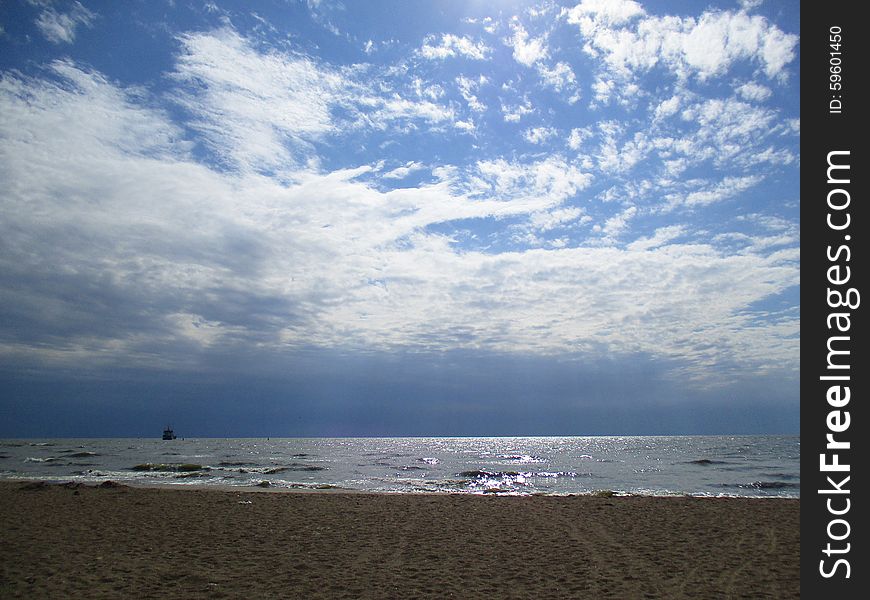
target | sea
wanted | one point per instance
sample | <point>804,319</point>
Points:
<point>746,466</point>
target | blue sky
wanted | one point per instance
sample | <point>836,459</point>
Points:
<point>341,218</point>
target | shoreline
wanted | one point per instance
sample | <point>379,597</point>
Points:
<point>185,542</point>
<point>332,489</point>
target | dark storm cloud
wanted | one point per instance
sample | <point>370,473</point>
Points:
<point>317,392</point>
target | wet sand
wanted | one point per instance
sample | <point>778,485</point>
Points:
<point>121,542</point>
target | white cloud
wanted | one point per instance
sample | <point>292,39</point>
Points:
<point>468,87</point>
<point>727,188</point>
<point>560,77</point>
<point>675,167</point>
<point>617,224</point>
<point>405,170</point>
<point>603,89</point>
<point>60,27</point>
<point>262,111</point>
<point>254,109</point>
<point>687,130</point>
<point>539,135</point>
<point>660,237</point>
<point>578,136</point>
<point>610,12</point>
<point>615,158</point>
<point>533,52</point>
<point>428,92</point>
<point>488,23</point>
<point>727,127</point>
<point>452,45</point>
<point>547,220</point>
<point>668,107</point>
<point>541,184</point>
<point>466,126</point>
<point>263,24</point>
<point>103,114</point>
<point>630,41</point>
<point>754,92</point>
<point>770,223</point>
<point>320,11</point>
<point>526,50</point>
<point>513,113</point>
<point>750,4</point>
<point>397,107</point>
<point>777,51</point>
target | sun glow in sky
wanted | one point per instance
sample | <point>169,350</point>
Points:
<point>393,217</point>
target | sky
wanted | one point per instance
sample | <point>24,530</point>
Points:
<point>325,218</point>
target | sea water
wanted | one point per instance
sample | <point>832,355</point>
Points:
<point>661,465</point>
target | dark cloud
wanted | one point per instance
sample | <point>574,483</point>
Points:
<point>319,393</point>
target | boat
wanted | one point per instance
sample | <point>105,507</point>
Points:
<point>168,434</point>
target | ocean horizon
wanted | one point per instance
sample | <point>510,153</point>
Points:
<point>704,466</point>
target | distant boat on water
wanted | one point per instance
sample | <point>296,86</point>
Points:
<point>168,434</point>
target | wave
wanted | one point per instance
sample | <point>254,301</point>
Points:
<point>480,474</point>
<point>295,485</point>
<point>781,475</point>
<point>192,474</point>
<point>273,470</point>
<point>395,467</point>
<point>245,467</point>
<point>521,458</point>
<point>289,467</point>
<point>169,467</point>
<point>301,467</point>
<point>293,467</point>
<point>760,485</point>
<point>707,461</point>
<point>770,485</point>
<point>95,473</point>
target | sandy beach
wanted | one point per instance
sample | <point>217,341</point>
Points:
<point>79,541</point>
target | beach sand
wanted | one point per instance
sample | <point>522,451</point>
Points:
<point>122,542</point>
